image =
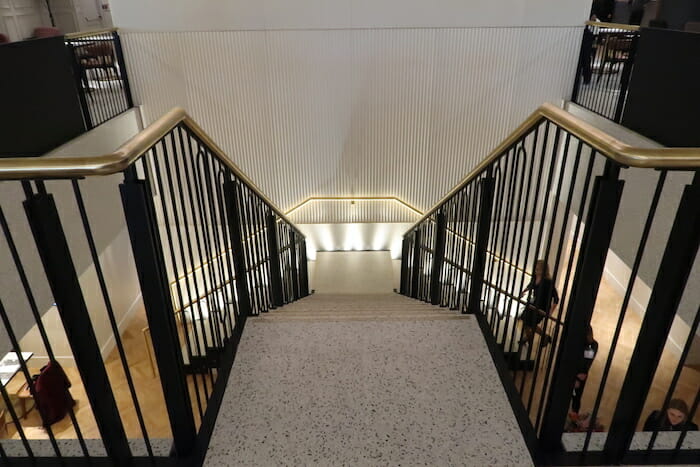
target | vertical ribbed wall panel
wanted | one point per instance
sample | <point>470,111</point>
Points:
<point>366,112</point>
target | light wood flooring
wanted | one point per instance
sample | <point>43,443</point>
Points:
<point>604,321</point>
<point>147,385</point>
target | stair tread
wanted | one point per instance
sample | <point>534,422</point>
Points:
<point>388,307</point>
<point>378,317</point>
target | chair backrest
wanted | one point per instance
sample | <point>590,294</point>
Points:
<point>98,55</point>
<point>45,31</point>
<point>4,39</point>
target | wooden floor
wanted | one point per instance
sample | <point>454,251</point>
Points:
<point>147,385</point>
<point>604,321</point>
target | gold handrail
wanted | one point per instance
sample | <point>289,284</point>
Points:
<point>355,198</point>
<point>607,145</point>
<point>602,24</point>
<point>47,167</point>
<point>78,35</point>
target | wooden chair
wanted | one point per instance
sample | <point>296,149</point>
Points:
<point>24,395</point>
<point>617,49</point>
<point>19,393</point>
<point>95,56</point>
<point>149,348</point>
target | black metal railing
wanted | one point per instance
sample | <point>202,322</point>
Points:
<point>553,194</point>
<point>100,72</point>
<point>604,69</point>
<point>152,257</point>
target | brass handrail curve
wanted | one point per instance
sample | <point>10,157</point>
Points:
<point>607,145</point>
<point>46,167</point>
<point>603,24</point>
<point>395,199</point>
<point>78,35</point>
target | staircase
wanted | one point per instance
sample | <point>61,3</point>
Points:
<point>335,308</point>
<point>364,380</point>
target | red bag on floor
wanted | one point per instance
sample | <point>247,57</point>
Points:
<point>51,393</point>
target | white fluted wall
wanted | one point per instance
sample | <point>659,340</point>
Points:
<point>354,112</point>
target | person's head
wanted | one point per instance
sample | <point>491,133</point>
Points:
<point>542,269</point>
<point>677,411</point>
<point>589,334</point>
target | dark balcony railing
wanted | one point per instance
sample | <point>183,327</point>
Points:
<point>605,66</point>
<point>100,72</point>
<point>553,193</point>
<point>167,221</point>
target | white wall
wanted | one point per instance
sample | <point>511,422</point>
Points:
<point>103,204</point>
<point>18,18</point>
<point>367,112</point>
<point>354,237</point>
<point>354,272</point>
<point>218,15</point>
<point>90,15</point>
<point>125,294</point>
<point>64,14</point>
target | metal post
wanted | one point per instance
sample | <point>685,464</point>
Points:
<point>599,226</point>
<point>122,69</point>
<point>438,259</point>
<point>150,266</point>
<point>275,268</point>
<point>625,80</point>
<point>295,275</point>
<point>416,264</point>
<point>674,270</point>
<point>584,55</point>
<point>81,86</point>
<point>304,270</point>
<point>482,243</point>
<point>55,255</point>
<point>239,260</point>
<point>403,285</point>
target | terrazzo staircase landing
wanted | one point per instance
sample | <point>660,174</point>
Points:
<point>325,381</point>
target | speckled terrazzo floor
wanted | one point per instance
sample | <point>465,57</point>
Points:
<point>403,391</point>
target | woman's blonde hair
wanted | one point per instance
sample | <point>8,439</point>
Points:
<point>545,268</point>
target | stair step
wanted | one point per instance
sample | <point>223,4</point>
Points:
<point>388,307</point>
<point>207,342</point>
<point>367,311</point>
<point>375,317</point>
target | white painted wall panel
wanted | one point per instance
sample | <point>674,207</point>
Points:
<point>374,112</point>
<point>103,205</point>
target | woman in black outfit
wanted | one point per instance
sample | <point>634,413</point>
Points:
<point>590,350</point>
<point>675,418</point>
<point>542,301</point>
